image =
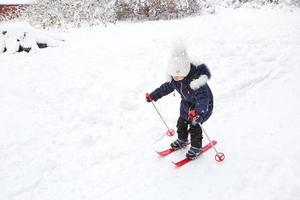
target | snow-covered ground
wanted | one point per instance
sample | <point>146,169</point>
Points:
<point>14,36</point>
<point>74,124</point>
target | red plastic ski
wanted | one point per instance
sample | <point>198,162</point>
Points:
<point>167,151</point>
<point>186,160</point>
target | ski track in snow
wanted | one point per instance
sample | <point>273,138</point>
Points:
<point>74,123</point>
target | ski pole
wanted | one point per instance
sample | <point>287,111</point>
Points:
<point>219,155</point>
<point>170,132</point>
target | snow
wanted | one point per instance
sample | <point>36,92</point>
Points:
<point>74,123</point>
<point>2,43</point>
<point>22,34</point>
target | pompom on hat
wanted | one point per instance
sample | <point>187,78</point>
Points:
<point>179,62</point>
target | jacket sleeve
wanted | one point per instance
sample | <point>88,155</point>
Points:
<point>163,90</point>
<point>202,102</point>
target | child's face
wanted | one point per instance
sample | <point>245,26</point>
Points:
<point>178,78</point>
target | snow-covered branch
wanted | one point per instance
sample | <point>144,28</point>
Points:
<point>69,12</point>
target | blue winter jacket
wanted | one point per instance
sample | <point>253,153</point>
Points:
<point>194,90</point>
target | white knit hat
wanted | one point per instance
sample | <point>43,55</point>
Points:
<point>179,62</point>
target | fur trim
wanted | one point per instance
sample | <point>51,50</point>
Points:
<point>199,82</point>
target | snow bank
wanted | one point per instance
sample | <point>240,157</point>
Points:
<point>17,37</point>
<point>2,43</point>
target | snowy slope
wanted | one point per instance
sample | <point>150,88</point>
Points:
<point>74,124</point>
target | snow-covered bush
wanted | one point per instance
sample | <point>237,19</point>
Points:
<point>259,3</point>
<point>62,13</point>
<point>157,9</point>
<point>12,12</point>
<point>17,37</point>
<point>69,12</point>
<point>290,2</point>
<point>92,12</point>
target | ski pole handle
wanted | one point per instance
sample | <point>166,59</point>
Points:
<point>149,98</point>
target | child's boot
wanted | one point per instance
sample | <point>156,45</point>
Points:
<point>196,142</point>
<point>193,153</point>
<point>179,144</point>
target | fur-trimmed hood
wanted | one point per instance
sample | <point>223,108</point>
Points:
<point>199,75</point>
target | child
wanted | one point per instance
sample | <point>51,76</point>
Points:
<point>196,105</point>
